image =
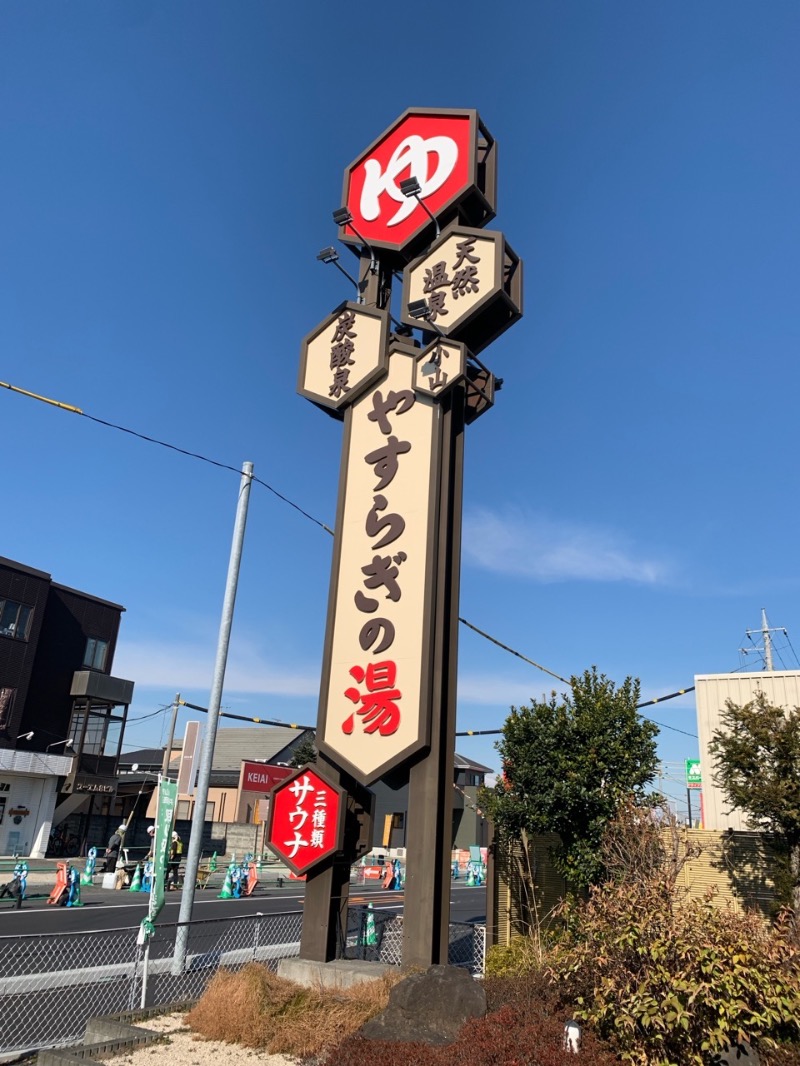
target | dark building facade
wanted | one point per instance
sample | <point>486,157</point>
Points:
<point>62,712</point>
<point>469,826</point>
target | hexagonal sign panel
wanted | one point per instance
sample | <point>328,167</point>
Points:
<point>439,367</point>
<point>344,356</point>
<point>472,283</point>
<point>452,156</point>
<point>306,820</point>
<point>375,695</point>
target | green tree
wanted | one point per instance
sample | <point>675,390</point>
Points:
<point>568,765</point>
<point>756,757</point>
<point>306,751</point>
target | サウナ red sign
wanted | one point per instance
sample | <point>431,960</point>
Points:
<point>441,150</point>
<point>306,819</point>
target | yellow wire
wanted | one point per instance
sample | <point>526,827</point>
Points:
<point>44,399</point>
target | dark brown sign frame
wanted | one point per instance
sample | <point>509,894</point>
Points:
<point>496,310</point>
<point>329,856</point>
<point>397,349</point>
<point>336,408</point>
<point>475,204</point>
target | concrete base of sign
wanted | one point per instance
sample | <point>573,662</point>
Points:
<point>341,973</point>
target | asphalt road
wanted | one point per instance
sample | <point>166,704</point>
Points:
<point>103,909</point>
<point>91,965</point>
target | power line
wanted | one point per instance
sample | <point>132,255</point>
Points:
<point>648,703</point>
<point>512,651</point>
<point>246,718</point>
<point>285,499</point>
<point>170,447</point>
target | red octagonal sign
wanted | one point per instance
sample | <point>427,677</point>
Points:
<point>306,820</point>
<point>452,157</point>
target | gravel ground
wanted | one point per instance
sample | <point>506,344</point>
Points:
<point>185,1049</point>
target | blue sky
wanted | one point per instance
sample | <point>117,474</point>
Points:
<point>167,176</point>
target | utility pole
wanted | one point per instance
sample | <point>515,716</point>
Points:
<point>204,772</point>
<point>764,633</point>
<point>170,739</point>
<point>767,639</point>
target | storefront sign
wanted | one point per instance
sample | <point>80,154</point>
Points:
<point>449,153</point>
<point>375,706</point>
<point>343,356</point>
<point>261,777</point>
<point>472,282</point>
<point>306,820</point>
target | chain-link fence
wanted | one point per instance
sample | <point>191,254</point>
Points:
<point>52,983</point>
<point>377,936</point>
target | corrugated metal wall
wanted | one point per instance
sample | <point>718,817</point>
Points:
<point>736,868</point>
<point>782,689</point>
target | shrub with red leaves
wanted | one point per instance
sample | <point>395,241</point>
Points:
<point>506,1037</point>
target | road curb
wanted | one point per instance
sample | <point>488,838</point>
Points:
<point>111,1034</point>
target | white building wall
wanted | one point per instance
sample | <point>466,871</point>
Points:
<point>25,791</point>
<point>712,691</point>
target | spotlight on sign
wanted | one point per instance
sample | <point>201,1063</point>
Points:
<point>410,187</point>
<point>419,309</point>
<point>342,217</point>
<point>330,255</point>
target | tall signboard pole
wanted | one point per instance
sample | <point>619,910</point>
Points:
<point>416,200</point>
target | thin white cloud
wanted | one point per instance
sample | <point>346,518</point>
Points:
<point>186,666</point>
<point>527,545</point>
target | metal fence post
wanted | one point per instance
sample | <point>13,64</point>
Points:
<point>134,977</point>
<point>256,928</point>
<point>145,966</point>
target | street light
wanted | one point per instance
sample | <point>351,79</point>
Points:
<point>25,736</point>
<point>411,187</point>
<point>68,743</point>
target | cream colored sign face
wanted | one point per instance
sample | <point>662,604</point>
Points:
<point>456,277</point>
<point>439,367</point>
<point>342,356</point>
<point>376,711</point>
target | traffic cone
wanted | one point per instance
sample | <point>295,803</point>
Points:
<point>136,883</point>
<point>470,877</point>
<point>212,864</point>
<point>371,936</point>
<point>74,899</point>
<point>227,886</point>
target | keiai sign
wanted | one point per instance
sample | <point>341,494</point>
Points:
<point>414,201</point>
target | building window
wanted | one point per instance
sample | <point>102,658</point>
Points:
<point>95,654</point>
<point>6,706</point>
<point>182,811</point>
<point>209,812</point>
<point>14,619</point>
